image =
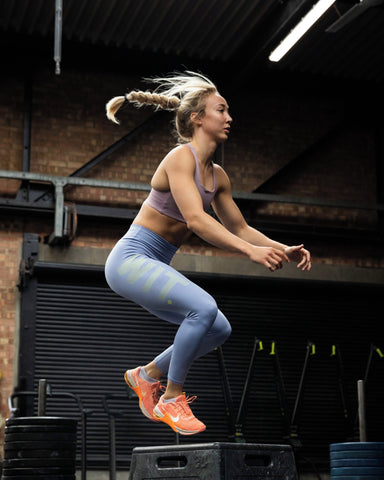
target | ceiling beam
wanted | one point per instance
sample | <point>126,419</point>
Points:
<point>301,157</point>
<point>116,145</point>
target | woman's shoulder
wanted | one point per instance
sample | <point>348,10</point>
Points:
<point>180,155</point>
<point>222,179</point>
<point>181,150</point>
<point>219,171</point>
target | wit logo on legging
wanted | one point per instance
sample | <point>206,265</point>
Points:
<point>137,266</point>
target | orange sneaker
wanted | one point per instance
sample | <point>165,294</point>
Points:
<point>147,392</point>
<point>178,415</point>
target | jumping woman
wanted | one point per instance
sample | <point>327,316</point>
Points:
<point>184,186</point>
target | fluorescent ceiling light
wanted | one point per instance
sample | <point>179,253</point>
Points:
<point>305,24</point>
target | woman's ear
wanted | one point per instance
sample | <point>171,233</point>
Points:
<point>195,118</point>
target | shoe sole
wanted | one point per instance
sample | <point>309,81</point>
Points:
<point>129,380</point>
<point>168,420</point>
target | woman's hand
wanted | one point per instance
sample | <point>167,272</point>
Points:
<point>271,257</point>
<point>300,255</point>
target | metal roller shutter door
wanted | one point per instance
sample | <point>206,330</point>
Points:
<point>86,336</point>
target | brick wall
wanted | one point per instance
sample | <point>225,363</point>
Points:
<point>11,129</point>
<point>69,128</point>
<point>270,129</point>
<point>10,242</point>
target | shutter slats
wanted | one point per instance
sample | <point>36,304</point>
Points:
<point>86,336</point>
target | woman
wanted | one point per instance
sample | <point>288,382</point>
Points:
<point>184,185</point>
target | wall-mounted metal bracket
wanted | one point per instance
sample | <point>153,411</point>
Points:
<point>64,222</point>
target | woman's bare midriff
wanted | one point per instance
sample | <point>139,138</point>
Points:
<point>173,231</point>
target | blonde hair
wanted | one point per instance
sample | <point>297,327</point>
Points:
<point>185,93</point>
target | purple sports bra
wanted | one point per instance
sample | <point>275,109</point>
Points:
<point>164,203</point>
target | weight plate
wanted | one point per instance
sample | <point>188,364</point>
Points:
<point>17,472</point>
<point>357,471</point>
<point>47,453</point>
<point>357,446</point>
<point>38,462</point>
<point>37,437</point>
<point>341,454</point>
<point>356,477</point>
<point>358,462</point>
<point>40,477</point>
<point>38,445</point>
<point>40,421</point>
<point>38,428</point>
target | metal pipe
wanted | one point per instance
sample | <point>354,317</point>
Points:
<point>27,123</point>
<point>42,398</point>
<point>261,197</point>
<point>301,384</point>
<point>58,34</point>
<point>244,397</point>
<point>112,448</point>
<point>80,182</point>
<point>59,213</point>
<point>84,444</point>
<point>230,410</point>
<point>362,421</point>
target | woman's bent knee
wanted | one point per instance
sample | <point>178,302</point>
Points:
<point>206,312</point>
<point>224,331</point>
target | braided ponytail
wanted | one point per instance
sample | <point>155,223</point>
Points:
<point>140,98</point>
<point>185,93</point>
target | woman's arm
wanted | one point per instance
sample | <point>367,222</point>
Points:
<point>179,167</point>
<point>231,217</point>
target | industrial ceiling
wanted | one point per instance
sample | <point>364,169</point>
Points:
<point>237,34</point>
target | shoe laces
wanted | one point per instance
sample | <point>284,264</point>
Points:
<point>183,404</point>
<point>156,389</point>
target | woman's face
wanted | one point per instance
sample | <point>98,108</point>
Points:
<point>216,121</point>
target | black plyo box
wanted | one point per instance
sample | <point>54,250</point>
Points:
<point>214,461</point>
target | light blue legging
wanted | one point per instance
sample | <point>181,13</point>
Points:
<point>138,269</point>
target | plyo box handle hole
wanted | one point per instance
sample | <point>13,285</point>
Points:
<point>254,460</point>
<point>176,461</point>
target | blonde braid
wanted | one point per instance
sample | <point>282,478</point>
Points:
<point>140,98</point>
<point>150,98</point>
